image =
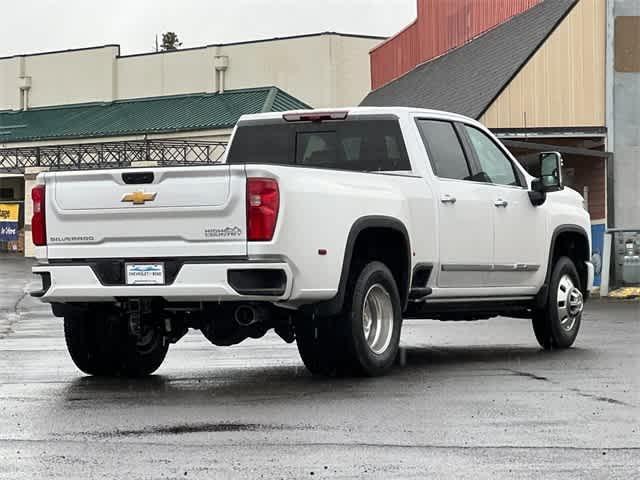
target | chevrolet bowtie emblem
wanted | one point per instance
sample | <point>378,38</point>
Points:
<point>139,197</point>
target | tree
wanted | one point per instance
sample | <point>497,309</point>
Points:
<point>170,41</point>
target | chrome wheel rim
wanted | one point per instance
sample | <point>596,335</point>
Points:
<point>569,303</point>
<point>377,318</point>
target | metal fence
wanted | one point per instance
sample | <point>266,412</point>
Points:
<point>111,155</point>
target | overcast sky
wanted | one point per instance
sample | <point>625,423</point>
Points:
<point>30,26</point>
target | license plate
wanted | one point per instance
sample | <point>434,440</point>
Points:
<point>144,273</point>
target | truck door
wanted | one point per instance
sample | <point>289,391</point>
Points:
<point>465,217</point>
<point>519,227</point>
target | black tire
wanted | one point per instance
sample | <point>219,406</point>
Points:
<point>85,339</point>
<point>338,345</point>
<point>142,358</point>
<point>99,344</point>
<point>547,324</point>
<point>317,340</point>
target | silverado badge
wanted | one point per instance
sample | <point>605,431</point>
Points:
<point>139,197</point>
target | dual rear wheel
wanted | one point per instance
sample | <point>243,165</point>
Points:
<point>100,343</point>
<point>363,340</point>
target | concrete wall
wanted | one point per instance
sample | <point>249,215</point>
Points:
<point>301,66</point>
<point>626,137</point>
<point>352,69</point>
<point>9,91</point>
<point>76,77</point>
<point>322,70</point>
<point>170,73</point>
<point>60,78</point>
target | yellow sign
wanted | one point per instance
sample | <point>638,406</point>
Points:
<point>139,197</point>
<point>9,212</point>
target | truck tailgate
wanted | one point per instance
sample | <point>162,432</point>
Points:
<point>147,213</point>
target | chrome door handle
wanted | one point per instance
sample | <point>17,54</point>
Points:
<point>448,199</point>
<point>501,203</point>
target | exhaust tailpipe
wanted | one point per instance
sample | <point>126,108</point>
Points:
<point>245,315</point>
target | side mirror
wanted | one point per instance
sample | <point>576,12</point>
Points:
<point>549,169</point>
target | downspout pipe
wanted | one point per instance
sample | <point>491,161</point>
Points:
<point>221,63</point>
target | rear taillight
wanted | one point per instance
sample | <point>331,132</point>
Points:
<point>263,203</point>
<point>38,224</point>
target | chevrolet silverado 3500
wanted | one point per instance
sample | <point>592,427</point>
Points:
<point>328,226</point>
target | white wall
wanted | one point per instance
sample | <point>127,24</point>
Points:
<point>171,73</point>
<point>71,77</point>
<point>352,69</point>
<point>301,67</point>
<point>322,70</point>
<point>9,92</point>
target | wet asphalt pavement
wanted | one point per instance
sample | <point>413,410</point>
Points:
<point>475,400</point>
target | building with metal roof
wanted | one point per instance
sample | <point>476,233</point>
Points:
<point>197,115</point>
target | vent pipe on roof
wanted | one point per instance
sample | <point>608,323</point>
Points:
<point>221,63</point>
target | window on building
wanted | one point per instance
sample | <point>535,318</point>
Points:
<point>6,194</point>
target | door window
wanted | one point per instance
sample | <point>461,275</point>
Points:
<point>445,151</point>
<point>495,166</point>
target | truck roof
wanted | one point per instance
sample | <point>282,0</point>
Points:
<point>363,110</point>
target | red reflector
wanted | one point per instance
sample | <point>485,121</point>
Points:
<point>263,203</point>
<point>38,224</point>
<point>314,116</point>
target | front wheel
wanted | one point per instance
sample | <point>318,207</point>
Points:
<point>557,325</point>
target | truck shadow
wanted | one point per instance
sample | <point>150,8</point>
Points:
<point>281,398</point>
<point>487,355</point>
<point>273,383</point>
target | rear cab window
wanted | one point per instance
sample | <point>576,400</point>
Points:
<point>369,144</point>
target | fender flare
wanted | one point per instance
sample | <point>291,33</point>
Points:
<point>543,294</point>
<point>335,305</point>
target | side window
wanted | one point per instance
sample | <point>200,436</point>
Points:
<point>445,152</point>
<point>495,166</point>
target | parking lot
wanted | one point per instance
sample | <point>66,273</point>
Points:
<point>475,400</point>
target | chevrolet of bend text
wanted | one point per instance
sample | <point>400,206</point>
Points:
<point>329,227</point>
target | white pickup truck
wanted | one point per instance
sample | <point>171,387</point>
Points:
<point>328,226</point>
